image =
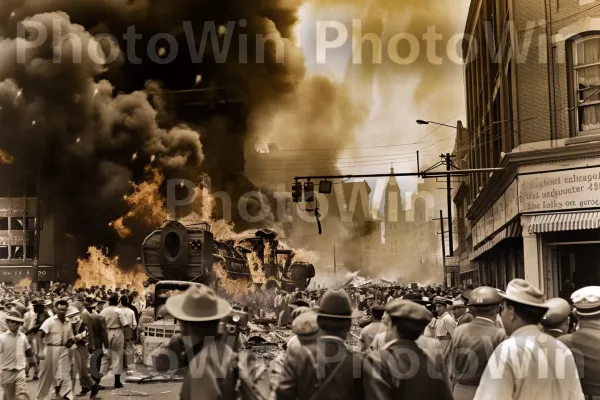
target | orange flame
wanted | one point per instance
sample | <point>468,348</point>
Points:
<point>146,202</point>
<point>24,283</point>
<point>5,158</point>
<point>99,269</point>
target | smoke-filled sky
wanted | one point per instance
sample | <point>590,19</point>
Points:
<point>92,118</point>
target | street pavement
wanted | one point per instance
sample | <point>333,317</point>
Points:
<point>149,391</point>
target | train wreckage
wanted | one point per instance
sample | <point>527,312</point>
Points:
<point>191,253</point>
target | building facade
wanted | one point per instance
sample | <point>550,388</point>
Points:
<point>532,77</point>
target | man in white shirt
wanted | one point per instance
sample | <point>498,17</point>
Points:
<point>530,364</point>
<point>128,333</point>
<point>15,354</point>
<point>57,335</point>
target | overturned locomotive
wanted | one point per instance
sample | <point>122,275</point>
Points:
<point>189,253</point>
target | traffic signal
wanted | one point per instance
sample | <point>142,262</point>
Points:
<point>325,187</point>
<point>309,192</point>
<point>296,192</point>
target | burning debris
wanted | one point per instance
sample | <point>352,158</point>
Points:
<point>5,158</point>
<point>99,269</point>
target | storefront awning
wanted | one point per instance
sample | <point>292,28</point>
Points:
<point>513,230</point>
<point>572,221</point>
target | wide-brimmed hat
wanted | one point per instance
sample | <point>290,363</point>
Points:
<point>442,300</point>
<point>336,304</point>
<point>90,302</point>
<point>416,298</point>
<point>198,303</point>
<point>522,292</point>
<point>72,311</point>
<point>14,316</point>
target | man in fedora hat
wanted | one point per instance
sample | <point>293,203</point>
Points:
<point>208,360</point>
<point>325,369</point>
<point>473,343</point>
<point>15,356</point>
<point>401,369</point>
<point>530,364</point>
<point>584,342</point>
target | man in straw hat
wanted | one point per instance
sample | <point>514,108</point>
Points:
<point>14,348</point>
<point>209,373</point>
<point>584,342</point>
<point>473,344</point>
<point>530,364</point>
<point>401,369</point>
<point>325,369</point>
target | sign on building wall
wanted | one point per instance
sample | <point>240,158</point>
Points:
<point>15,274</point>
<point>452,261</point>
<point>511,199</point>
<point>559,190</point>
<point>499,213</point>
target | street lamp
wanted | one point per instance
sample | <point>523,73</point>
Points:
<point>423,122</point>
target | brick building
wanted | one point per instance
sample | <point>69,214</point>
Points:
<point>532,76</point>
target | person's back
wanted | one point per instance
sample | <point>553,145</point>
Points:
<point>584,344</point>
<point>306,367</point>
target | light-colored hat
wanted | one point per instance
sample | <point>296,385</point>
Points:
<point>305,325</point>
<point>484,296</point>
<point>336,304</point>
<point>14,316</point>
<point>558,311</point>
<point>458,303</point>
<point>72,311</point>
<point>297,311</point>
<point>522,292</point>
<point>198,303</point>
<point>587,300</point>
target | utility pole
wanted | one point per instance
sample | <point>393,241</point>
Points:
<point>334,265</point>
<point>448,162</point>
<point>443,248</point>
<point>35,278</point>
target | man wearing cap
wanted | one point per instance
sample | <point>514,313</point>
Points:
<point>80,353</point>
<point>113,355</point>
<point>444,327</point>
<point>57,334</point>
<point>325,369</point>
<point>584,342</point>
<point>530,364</point>
<point>209,373</point>
<point>556,321</point>
<point>367,334</point>
<point>401,369</point>
<point>15,355</point>
<point>98,337</point>
<point>459,310</point>
<point>468,315</point>
<point>473,344</point>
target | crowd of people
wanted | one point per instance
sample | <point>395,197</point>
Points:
<point>57,335</point>
<point>423,342</point>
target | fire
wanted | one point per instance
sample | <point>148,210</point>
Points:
<point>237,289</point>
<point>99,269</point>
<point>305,256</point>
<point>24,283</point>
<point>5,158</point>
<point>256,268</point>
<point>146,202</point>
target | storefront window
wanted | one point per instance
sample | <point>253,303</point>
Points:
<point>3,223</point>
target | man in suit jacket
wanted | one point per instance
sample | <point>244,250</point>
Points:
<point>401,369</point>
<point>325,369</point>
<point>98,336</point>
<point>473,344</point>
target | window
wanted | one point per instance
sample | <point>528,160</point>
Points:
<point>586,75</point>
<point>16,252</point>
<point>30,223</point>
<point>3,223</point>
<point>16,223</point>
<point>3,252</point>
<point>29,252</point>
